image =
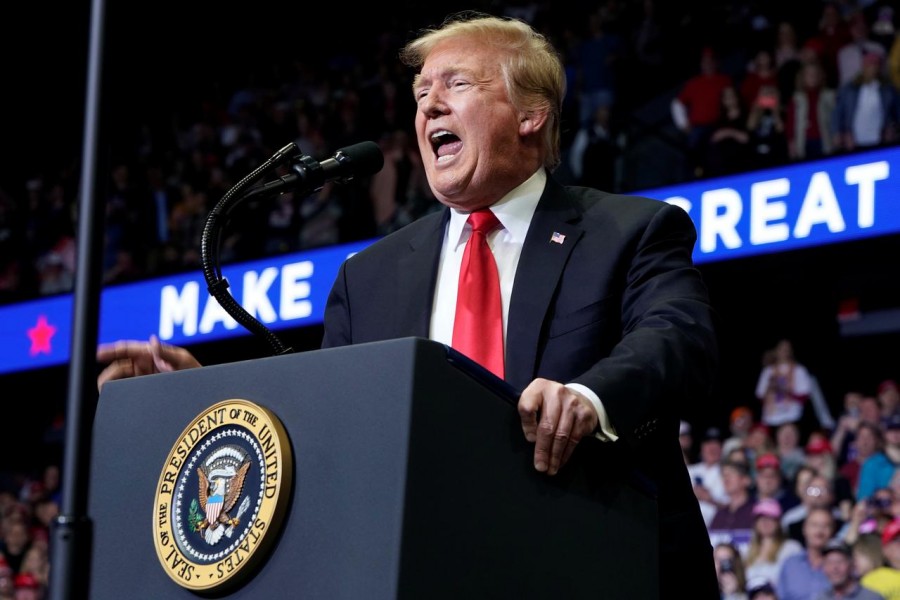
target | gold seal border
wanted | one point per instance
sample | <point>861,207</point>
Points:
<point>236,566</point>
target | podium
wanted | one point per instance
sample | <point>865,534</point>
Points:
<point>411,478</point>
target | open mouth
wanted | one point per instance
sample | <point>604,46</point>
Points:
<point>445,145</point>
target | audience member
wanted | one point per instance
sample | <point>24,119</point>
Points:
<point>889,398</point>
<point>818,494</point>
<point>869,565</point>
<point>761,72</point>
<point>787,446</point>
<point>730,570</point>
<point>783,386</point>
<point>740,423</point>
<point>802,575</point>
<point>765,123</point>
<point>850,56</point>
<point>769,545</point>
<point>876,469</point>
<point>837,564</point>
<point>809,115</point>
<point>706,474</point>
<point>770,482</point>
<point>820,457</point>
<point>845,431</point>
<point>728,149</point>
<point>695,109</point>
<point>594,151</point>
<point>867,109</point>
<point>831,35</point>
<point>733,521</point>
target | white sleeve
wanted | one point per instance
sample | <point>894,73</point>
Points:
<point>801,384</point>
<point>763,384</point>
<point>607,432</point>
<point>679,114</point>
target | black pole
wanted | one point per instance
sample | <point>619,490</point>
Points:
<point>71,535</point>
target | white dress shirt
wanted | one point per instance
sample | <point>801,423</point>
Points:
<point>514,211</point>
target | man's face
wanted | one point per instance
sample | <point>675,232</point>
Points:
<point>711,451</point>
<point>768,481</point>
<point>817,529</point>
<point>836,567</point>
<point>460,91</point>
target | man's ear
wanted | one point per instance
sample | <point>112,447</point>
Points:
<point>532,122</point>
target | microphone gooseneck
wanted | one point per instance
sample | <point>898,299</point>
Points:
<point>307,176</point>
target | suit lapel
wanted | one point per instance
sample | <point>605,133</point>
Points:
<point>541,264</point>
<point>418,277</point>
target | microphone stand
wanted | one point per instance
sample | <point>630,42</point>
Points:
<point>210,243</point>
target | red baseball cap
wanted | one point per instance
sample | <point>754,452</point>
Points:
<point>768,460</point>
<point>27,581</point>
<point>818,446</point>
<point>891,531</point>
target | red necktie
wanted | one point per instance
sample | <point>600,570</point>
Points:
<point>478,326</point>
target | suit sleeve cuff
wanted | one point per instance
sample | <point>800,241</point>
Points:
<point>606,432</point>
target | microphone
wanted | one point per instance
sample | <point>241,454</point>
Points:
<point>309,175</point>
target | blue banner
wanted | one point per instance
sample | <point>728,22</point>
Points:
<point>798,206</point>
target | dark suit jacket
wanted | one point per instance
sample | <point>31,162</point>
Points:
<point>618,307</point>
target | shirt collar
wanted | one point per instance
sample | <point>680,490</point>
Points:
<point>514,210</point>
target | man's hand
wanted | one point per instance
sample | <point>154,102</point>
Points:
<point>131,358</point>
<point>555,418</point>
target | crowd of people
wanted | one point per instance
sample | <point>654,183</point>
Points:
<point>803,508</point>
<point>782,86</point>
<point>796,503</point>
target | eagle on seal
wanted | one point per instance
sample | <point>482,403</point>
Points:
<point>221,482</point>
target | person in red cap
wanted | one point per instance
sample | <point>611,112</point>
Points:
<point>739,425</point>
<point>770,482</point>
<point>820,456</point>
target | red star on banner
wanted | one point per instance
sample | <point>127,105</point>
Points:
<point>40,336</point>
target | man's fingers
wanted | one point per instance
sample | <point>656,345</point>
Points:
<point>171,358</point>
<point>556,419</point>
<point>529,405</point>
<point>156,350</point>
<point>119,350</point>
<point>546,433</point>
<point>118,369</point>
<point>562,439</point>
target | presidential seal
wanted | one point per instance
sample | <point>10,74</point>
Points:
<point>222,496</point>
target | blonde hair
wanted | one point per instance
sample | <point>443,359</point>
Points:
<point>532,69</point>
